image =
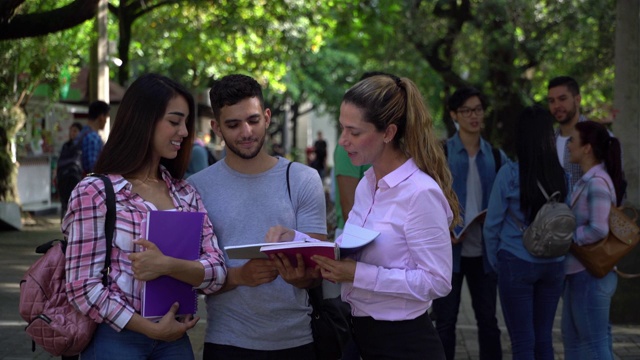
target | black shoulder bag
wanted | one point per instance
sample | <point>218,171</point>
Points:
<point>329,318</point>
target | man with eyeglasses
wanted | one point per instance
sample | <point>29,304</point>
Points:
<point>473,163</point>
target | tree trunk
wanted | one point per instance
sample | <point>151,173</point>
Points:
<point>627,128</point>
<point>11,121</point>
<point>125,23</point>
<point>627,93</point>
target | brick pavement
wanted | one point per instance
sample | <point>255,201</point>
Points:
<point>16,254</point>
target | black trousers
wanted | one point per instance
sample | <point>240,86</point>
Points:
<point>403,340</point>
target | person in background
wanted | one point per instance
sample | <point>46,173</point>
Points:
<point>473,167</point>
<point>347,177</point>
<point>69,166</point>
<point>563,98</point>
<point>391,283</point>
<point>586,302</point>
<point>91,141</point>
<point>145,159</point>
<point>319,161</point>
<point>530,287</point>
<point>199,158</point>
<point>262,311</point>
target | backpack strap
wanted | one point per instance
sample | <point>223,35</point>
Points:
<point>546,196</point>
<point>522,226</point>
<point>288,185</point>
<point>109,224</point>
<point>497,158</point>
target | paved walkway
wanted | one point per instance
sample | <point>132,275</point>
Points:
<point>17,253</point>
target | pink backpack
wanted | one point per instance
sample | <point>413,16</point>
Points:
<point>53,322</point>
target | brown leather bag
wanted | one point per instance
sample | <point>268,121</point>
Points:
<point>599,258</point>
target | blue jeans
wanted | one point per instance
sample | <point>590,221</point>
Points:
<point>482,288</point>
<point>109,344</point>
<point>529,294</point>
<point>586,332</point>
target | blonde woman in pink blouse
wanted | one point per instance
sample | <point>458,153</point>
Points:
<point>145,158</point>
<point>406,195</point>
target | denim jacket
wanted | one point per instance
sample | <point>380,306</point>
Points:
<point>458,160</point>
<point>501,231</point>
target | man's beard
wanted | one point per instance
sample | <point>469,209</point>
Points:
<point>570,114</point>
<point>231,147</point>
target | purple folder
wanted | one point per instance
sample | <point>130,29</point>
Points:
<point>177,234</point>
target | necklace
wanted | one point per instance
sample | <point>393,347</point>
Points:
<point>145,181</point>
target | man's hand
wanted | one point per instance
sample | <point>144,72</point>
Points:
<point>299,276</point>
<point>455,240</point>
<point>279,233</point>
<point>256,272</point>
<point>148,264</point>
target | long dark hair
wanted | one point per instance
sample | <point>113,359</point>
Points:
<point>129,146</point>
<point>538,160</point>
<point>606,148</point>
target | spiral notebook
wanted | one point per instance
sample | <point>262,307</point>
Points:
<point>177,234</point>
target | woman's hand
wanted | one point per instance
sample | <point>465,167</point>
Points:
<point>170,329</point>
<point>167,329</point>
<point>148,264</point>
<point>336,271</point>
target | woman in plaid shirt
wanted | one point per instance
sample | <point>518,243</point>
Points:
<point>586,331</point>
<point>145,158</point>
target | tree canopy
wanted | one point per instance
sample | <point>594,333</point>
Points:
<point>310,52</point>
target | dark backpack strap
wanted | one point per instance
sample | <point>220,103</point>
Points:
<point>497,158</point>
<point>109,224</point>
<point>288,185</point>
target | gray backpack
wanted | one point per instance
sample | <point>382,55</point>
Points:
<point>551,233</point>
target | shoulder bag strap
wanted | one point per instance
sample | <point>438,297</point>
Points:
<point>289,185</point>
<point>109,226</point>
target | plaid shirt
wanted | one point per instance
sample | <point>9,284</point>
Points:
<point>84,228</point>
<point>591,202</point>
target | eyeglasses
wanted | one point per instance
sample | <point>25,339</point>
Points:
<point>466,112</point>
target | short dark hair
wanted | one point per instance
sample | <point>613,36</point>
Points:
<point>76,125</point>
<point>463,94</point>
<point>98,108</point>
<point>232,89</point>
<point>130,142</point>
<point>568,81</point>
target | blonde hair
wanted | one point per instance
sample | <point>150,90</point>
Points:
<point>389,100</point>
